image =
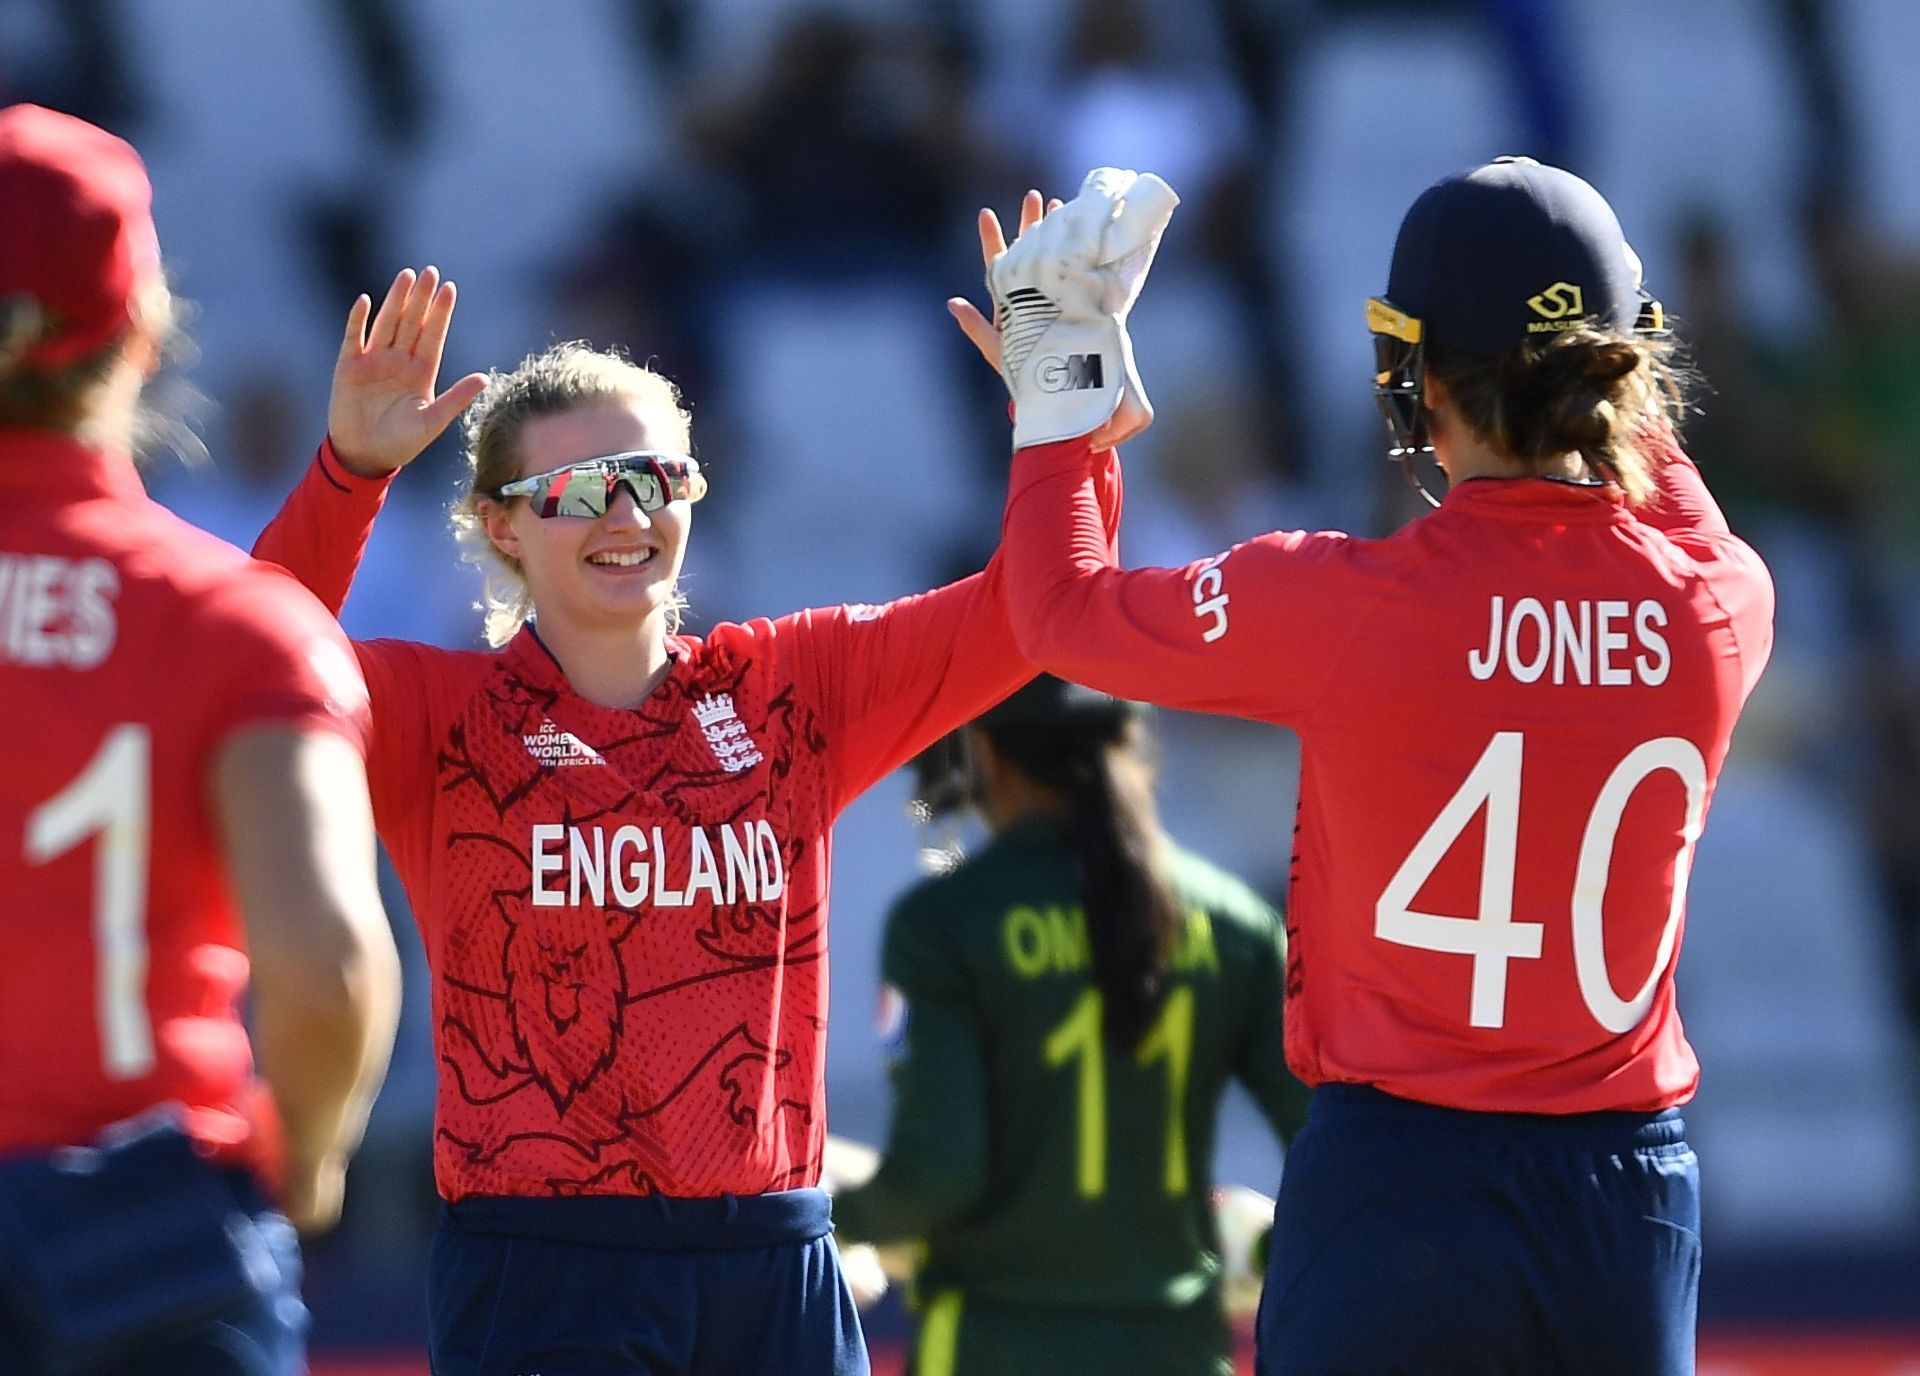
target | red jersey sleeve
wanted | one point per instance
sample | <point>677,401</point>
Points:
<point>1254,632</point>
<point>407,697</point>
<point>278,658</point>
<point>1684,511</point>
<point>321,531</point>
<point>1681,506</point>
<point>890,680</point>
<point>319,536</point>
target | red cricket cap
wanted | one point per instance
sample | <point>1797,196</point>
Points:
<point>76,231</point>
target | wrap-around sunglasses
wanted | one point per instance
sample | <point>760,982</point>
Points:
<point>586,488</point>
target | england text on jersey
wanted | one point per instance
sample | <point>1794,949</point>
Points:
<point>630,866</point>
<point>625,909</point>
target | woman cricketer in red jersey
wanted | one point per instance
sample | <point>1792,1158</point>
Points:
<point>1512,713</point>
<point>616,841</point>
<point>184,819</point>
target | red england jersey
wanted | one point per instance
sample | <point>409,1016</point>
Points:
<point>625,910</point>
<point>132,646</point>
<point>1511,714</point>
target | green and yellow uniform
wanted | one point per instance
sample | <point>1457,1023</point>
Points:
<point>1061,1186</point>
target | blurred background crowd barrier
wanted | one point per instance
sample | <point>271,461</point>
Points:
<point>771,198</point>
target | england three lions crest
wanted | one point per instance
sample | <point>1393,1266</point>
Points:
<point>726,733</point>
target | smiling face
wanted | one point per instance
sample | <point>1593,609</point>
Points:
<point>616,572</point>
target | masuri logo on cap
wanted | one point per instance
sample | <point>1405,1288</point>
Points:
<point>1468,264</point>
<point>1511,249</point>
<point>1560,307</point>
<point>77,243</point>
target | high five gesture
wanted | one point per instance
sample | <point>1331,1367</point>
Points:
<point>383,411</point>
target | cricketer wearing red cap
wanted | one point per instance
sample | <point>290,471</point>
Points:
<point>184,789</point>
<point>77,243</point>
<point>1512,714</point>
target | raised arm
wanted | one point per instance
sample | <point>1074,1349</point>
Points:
<point>888,681</point>
<point>1243,632</point>
<point>321,530</point>
<point>382,414</point>
<point>1681,505</point>
<point>1253,631</point>
<point>1685,512</point>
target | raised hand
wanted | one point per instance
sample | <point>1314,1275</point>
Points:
<point>383,412</point>
<point>1062,296</point>
<point>982,332</point>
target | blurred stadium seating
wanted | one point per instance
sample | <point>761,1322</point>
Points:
<point>772,198</point>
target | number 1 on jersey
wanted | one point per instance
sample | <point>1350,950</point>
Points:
<point>110,801</point>
<point>1081,1036</point>
<point>1171,1036</point>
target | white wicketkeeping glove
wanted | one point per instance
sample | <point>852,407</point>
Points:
<point>1061,295</point>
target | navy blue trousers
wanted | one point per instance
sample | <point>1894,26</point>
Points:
<point>641,1286</point>
<point>1414,1239</point>
<point>140,1259</point>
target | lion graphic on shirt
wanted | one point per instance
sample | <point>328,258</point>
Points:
<point>564,988</point>
<point>639,1035</point>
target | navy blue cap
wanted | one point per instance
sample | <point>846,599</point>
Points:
<point>1493,257</point>
<point>1050,701</point>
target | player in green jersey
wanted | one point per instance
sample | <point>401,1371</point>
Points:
<point>1070,1004</point>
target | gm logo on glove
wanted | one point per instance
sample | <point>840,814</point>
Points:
<point>1074,373</point>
